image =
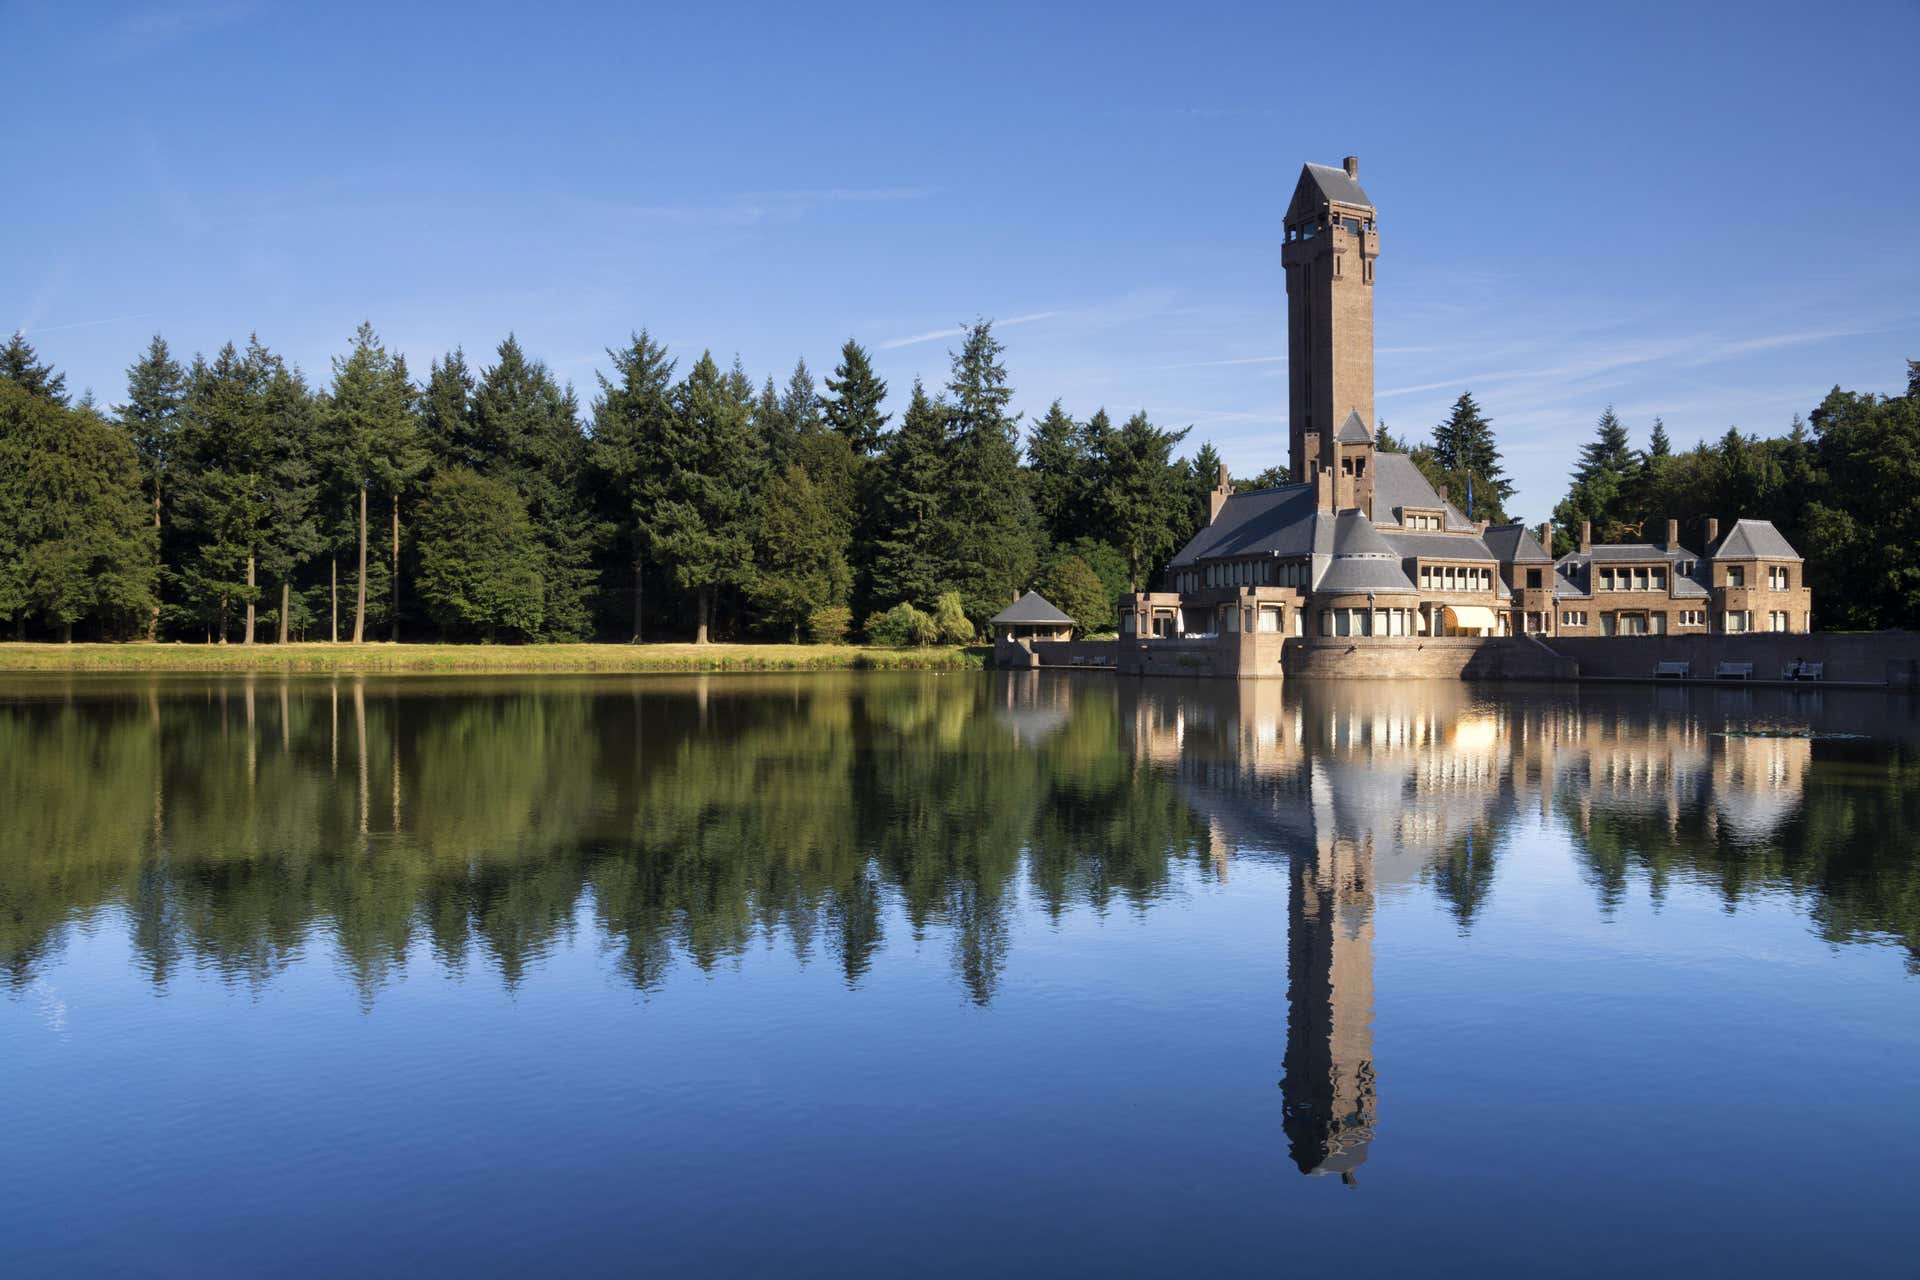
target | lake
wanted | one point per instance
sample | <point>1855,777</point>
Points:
<point>958,974</point>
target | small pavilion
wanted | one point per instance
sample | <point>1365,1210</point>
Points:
<point>1031,617</point>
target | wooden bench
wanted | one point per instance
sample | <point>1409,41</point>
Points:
<point>1804,671</point>
<point>1733,671</point>
<point>1672,670</point>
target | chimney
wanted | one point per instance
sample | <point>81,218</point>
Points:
<point>1222,490</point>
<point>1586,536</point>
<point>1673,534</point>
<point>1445,497</point>
<point>1352,165</point>
<point>1546,539</point>
<point>1323,490</point>
<point>1713,533</point>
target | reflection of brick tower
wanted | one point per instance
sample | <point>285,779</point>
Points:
<point>1327,1090</point>
<point>1332,241</point>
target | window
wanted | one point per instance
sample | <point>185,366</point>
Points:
<point>1573,617</point>
<point>1659,579</point>
<point>1631,624</point>
<point>1326,622</point>
<point>1606,580</point>
<point>1693,617</point>
<point>1269,620</point>
<point>1779,621</point>
<point>1533,577</point>
<point>1739,620</point>
<point>1779,579</point>
<point>1639,579</point>
<point>1657,624</point>
<point>1736,576</point>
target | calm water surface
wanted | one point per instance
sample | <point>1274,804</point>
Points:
<point>1035,974</point>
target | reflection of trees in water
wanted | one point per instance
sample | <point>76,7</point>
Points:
<point>240,824</point>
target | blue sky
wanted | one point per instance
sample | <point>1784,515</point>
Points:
<point>1702,212</point>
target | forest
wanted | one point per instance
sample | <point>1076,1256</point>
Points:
<point>229,499</point>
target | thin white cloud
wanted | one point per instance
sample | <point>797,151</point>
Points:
<point>88,324</point>
<point>1221,364</point>
<point>934,335</point>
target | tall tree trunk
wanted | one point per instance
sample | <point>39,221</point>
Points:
<point>639,572</point>
<point>286,607</point>
<point>66,630</point>
<point>223,619</point>
<point>396,568</point>
<point>153,617</point>
<point>706,605</point>
<point>248,638</point>
<point>333,587</point>
<point>360,598</point>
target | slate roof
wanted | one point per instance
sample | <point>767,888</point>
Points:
<point>1353,430</point>
<point>1279,521</point>
<point>1565,588</point>
<point>1754,540</point>
<point>1335,185</point>
<point>1512,544</point>
<point>1031,609</point>
<point>1398,484</point>
<point>1363,560</point>
<point>1575,569</point>
<point>1451,546</point>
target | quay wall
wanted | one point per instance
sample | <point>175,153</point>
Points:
<point>1425,658</point>
<point>1887,658</point>
<point>1890,658</point>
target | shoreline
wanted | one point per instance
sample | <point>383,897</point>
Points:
<point>387,658</point>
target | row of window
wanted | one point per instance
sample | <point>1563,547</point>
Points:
<point>1452,577</point>
<point>1779,576</point>
<point>1422,520</point>
<point>1244,573</point>
<point>1365,622</point>
<point>1638,578</point>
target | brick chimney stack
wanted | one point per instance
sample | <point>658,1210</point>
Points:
<point>1673,533</point>
<point>1586,536</point>
<point>1222,490</point>
<point>1352,165</point>
<point>1713,533</point>
<point>1546,539</point>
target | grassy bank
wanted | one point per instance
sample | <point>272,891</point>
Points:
<point>429,658</point>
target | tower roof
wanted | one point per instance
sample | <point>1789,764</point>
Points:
<point>1322,185</point>
<point>1353,430</point>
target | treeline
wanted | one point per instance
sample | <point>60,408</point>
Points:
<point>230,499</point>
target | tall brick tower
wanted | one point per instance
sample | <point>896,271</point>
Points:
<point>1332,241</point>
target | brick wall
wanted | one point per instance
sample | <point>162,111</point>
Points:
<point>1879,657</point>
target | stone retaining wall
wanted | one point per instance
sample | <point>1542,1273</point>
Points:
<point>1869,657</point>
<point>1424,658</point>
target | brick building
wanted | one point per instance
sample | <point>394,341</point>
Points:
<point>1358,543</point>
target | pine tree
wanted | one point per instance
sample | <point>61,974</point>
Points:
<point>75,542</point>
<point>20,365</point>
<point>527,432</point>
<point>989,535</point>
<point>854,396</point>
<point>1660,446</point>
<point>1057,469</point>
<point>480,559</point>
<point>156,395</point>
<point>704,522</point>
<point>1140,499</point>
<point>1203,473</point>
<point>633,427</point>
<point>800,558</point>
<point>1605,483</point>
<point>373,441</point>
<point>1464,451</point>
<point>226,486</point>
<point>905,567</point>
<point>293,533</point>
<point>446,412</point>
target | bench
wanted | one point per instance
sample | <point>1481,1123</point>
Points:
<point>1672,670</point>
<point>1733,671</point>
<point>1804,671</point>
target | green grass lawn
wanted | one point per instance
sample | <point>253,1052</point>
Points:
<point>482,657</point>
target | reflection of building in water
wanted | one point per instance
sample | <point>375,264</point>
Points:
<point>1365,791</point>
